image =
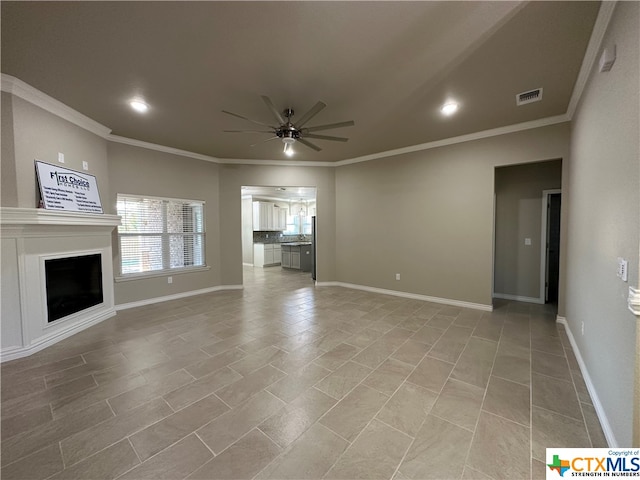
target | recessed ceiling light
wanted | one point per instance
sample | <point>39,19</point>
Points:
<point>449,108</point>
<point>139,105</point>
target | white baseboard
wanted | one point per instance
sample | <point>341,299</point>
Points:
<point>176,296</point>
<point>247,264</point>
<point>518,298</point>
<point>602,416</point>
<point>414,296</point>
<point>12,353</point>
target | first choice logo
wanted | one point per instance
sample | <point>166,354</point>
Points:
<point>70,181</point>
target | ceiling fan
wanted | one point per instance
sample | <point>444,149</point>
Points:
<point>290,132</point>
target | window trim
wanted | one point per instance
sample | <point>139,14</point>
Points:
<point>165,272</point>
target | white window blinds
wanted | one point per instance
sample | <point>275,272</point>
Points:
<point>160,234</point>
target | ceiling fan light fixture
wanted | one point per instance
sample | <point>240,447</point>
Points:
<point>288,145</point>
<point>139,105</point>
<point>449,108</point>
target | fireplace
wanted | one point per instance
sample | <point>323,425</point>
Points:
<point>72,284</point>
<point>57,276</point>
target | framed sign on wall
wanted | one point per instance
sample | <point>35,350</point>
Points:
<point>64,189</point>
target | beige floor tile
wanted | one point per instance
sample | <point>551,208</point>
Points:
<point>298,358</point>
<point>37,372</point>
<point>408,408</point>
<point>308,458</point>
<point>332,339</point>
<point>364,338</point>
<point>343,380</point>
<point>375,454</point>
<point>15,389</point>
<point>513,363</point>
<point>550,365</point>
<point>228,428</point>
<point>198,389</point>
<point>509,400</point>
<point>242,460</point>
<point>459,403</point>
<point>83,444</point>
<point>257,360</point>
<point>471,474</point>
<point>337,357</point>
<point>388,376</point>
<point>500,448</point>
<point>160,435</point>
<point>489,328</point>
<point>598,439</point>
<point>239,391</point>
<point>552,430</point>
<point>411,352</point>
<point>294,384</point>
<point>175,462</point>
<point>92,365</point>
<point>376,353</point>
<point>438,451</point>
<point>107,464</point>
<point>81,400</point>
<point>538,469</point>
<point>581,387</point>
<point>26,421</point>
<point>293,420</point>
<point>475,364</point>
<point>431,373</point>
<point>162,370</point>
<point>441,321</point>
<point>37,466</point>
<point>354,411</point>
<point>555,395</point>
<point>54,431</point>
<point>210,365</point>
<point>546,343</point>
<point>144,393</point>
<point>450,346</point>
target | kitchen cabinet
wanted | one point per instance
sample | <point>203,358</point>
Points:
<point>268,217</point>
<point>266,254</point>
<point>297,256</point>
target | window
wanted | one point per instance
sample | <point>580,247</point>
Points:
<point>160,234</point>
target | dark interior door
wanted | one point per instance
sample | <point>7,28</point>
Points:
<point>553,246</point>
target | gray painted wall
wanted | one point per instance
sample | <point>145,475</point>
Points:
<point>604,213</point>
<point>40,135</point>
<point>247,230</point>
<point>435,208</point>
<point>9,184</point>
<point>519,216</point>
<point>139,171</point>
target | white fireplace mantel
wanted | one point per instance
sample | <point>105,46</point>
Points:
<point>29,237</point>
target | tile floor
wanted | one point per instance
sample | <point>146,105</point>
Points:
<point>284,380</point>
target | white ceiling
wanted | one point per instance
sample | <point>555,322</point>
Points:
<point>388,66</point>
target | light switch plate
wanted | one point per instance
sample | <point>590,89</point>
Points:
<point>85,165</point>
<point>61,157</point>
<point>527,241</point>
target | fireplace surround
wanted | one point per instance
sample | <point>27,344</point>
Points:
<point>30,238</point>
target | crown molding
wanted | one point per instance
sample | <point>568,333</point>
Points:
<point>280,163</point>
<point>518,127</point>
<point>161,148</point>
<point>40,99</point>
<point>595,42</point>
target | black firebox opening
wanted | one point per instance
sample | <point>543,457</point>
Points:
<point>73,284</point>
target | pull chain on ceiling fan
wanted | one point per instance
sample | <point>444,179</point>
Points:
<point>290,132</point>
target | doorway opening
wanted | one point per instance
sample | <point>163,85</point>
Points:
<point>278,228</point>
<point>550,259</point>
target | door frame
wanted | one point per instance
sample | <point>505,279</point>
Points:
<point>543,242</point>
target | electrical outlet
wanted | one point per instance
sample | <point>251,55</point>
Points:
<point>397,276</point>
<point>527,241</point>
<point>582,326</point>
<point>169,279</point>
<point>623,265</point>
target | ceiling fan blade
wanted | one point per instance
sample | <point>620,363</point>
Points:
<point>248,119</point>
<point>273,109</point>
<point>329,126</point>
<point>326,137</point>
<point>309,144</point>
<point>267,140</point>
<point>248,131</point>
<point>310,114</point>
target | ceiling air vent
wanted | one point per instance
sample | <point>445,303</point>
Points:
<point>529,97</point>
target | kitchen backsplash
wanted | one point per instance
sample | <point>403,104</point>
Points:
<point>275,237</point>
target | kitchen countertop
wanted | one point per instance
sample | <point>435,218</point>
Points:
<point>295,244</point>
